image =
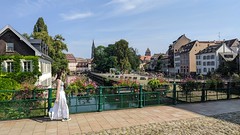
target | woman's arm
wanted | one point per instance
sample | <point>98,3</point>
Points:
<point>58,89</point>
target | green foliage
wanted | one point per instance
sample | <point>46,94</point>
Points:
<point>7,84</point>
<point>157,83</point>
<point>117,55</point>
<point>56,46</point>
<point>159,63</point>
<point>227,68</point>
<point>17,74</point>
<point>214,82</point>
<point>187,85</point>
<point>127,83</point>
<point>40,26</point>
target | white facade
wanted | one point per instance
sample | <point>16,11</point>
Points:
<point>209,61</point>
<point>45,67</point>
<point>72,66</point>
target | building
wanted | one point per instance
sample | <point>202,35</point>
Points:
<point>13,43</point>
<point>83,65</point>
<point>72,63</point>
<point>145,60</point>
<point>153,61</point>
<point>233,44</point>
<point>174,48</point>
<point>187,55</point>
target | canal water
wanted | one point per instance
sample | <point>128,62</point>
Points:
<point>91,103</point>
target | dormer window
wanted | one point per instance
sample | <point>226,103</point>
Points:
<point>9,47</point>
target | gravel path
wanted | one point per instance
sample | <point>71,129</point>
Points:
<point>223,124</point>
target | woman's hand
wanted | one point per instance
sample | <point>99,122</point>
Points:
<point>56,101</point>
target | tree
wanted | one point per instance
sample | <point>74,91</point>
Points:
<point>159,63</point>
<point>60,61</point>
<point>56,46</point>
<point>26,36</point>
<point>40,26</point>
<point>133,58</point>
<point>122,54</point>
<point>117,55</point>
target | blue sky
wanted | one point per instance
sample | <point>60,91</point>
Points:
<point>143,23</point>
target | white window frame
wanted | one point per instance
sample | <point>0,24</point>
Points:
<point>11,69</point>
<point>11,46</point>
<point>28,67</point>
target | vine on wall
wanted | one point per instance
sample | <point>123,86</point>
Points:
<point>17,73</point>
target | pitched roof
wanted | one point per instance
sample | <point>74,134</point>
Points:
<point>37,53</point>
<point>210,49</point>
<point>145,58</point>
<point>71,58</point>
<point>156,55</point>
<point>187,47</point>
<point>26,41</point>
<point>231,42</point>
<point>182,36</point>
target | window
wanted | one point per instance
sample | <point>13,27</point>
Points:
<point>212,56</point>
<point>204,63</point>
<point>10,67</point>
<point>212,69</point>
<point>212,63</point>
<point>204,70</point>
<point>204,57</point>
<point>9,47</point>
<point>27,66</point>
<point>208,57</point>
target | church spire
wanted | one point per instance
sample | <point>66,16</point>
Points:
<point>93,49</point>
<point>148,52</point>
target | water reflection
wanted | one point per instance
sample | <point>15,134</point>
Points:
<point>91,103</point>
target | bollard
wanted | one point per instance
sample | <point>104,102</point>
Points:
<point>174,94</point>
<point>203,93</point>
<point>100,104</point>
<point>49,98</point>
<point>140,105</point>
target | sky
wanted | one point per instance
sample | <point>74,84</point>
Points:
<point>152,24</point>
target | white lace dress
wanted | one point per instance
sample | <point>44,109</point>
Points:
<point>60,109</point>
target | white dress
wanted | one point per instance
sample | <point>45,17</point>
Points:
<point>60,109</point>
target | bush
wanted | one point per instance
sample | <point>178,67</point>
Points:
<point>157,83</point>
<point>8,84</point>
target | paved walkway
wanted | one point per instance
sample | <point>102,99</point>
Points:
<point>96,121</point>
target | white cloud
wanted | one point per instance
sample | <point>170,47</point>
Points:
<point>75,16</point>
<point>28,7</point>
<point>135,6</point>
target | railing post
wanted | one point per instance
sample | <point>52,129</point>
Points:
<point>203,93</point>
<point>228,90</point>
<point>174,94</point>
<point>49,98</point>
<point>100,104</point>
<point>140,105</point>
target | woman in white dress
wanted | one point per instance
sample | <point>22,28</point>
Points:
<point>60,109</point>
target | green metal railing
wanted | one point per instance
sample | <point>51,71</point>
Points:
<point>208,94</point>
<point>15,104</point>
<point>34,103</point>
<point>112,98</point>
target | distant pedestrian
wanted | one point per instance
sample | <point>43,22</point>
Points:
<point>60,109</point>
